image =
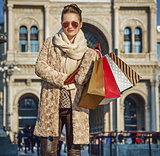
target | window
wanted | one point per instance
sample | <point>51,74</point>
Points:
<point>158,50</point>
<point>127,40</point>
<point>34,39</point>
<point>138,40</point>
<point>23,39</point>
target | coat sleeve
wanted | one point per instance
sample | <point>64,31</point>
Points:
<point>86,67</point>
<point>45,71</point>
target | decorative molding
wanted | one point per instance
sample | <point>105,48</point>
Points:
<point>133,23</point>
<point>10,6</point>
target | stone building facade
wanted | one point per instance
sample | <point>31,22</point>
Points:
<point>126,25</point>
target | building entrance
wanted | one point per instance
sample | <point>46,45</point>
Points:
<point>27,110</point>
<point>134,112</point>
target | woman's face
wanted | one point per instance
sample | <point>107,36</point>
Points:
<point>71,25</point>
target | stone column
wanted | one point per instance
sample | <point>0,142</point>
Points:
<point>144,42</point>
<point>47,21</point>
<point>17,40</point>
<point>147,116</point>
<point>10,27</point>
<point>111,116</point>
<point>40,38</point>
<point>153,34</point>
<point>106,118</point>
<point>116,27</point>
<point>133,38</point>
<point>120,115</point>
<point>8,104</point>
<point>153,106</point>
<point>28,41</point>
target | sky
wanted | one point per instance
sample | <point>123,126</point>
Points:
<point>158,12</point>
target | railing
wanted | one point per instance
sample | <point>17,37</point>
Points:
<point>98,140</point>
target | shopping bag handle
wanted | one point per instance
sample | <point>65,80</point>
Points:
<point>98,49</point>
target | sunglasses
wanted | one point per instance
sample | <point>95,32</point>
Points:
<point>73,23</point>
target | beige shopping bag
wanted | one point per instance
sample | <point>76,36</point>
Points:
<point>89,98</point>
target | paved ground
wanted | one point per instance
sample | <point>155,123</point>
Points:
<point>29,153</point>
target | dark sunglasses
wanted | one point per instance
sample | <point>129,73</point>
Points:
<point>73,23</point>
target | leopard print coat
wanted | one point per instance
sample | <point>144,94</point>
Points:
<point>48,68</point>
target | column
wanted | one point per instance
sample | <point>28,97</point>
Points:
<point>46,21</point>
<point>147,116</point>
<point>153,106</point>
<point>111,121</point>
<point>106,118</point>
<point>8,104</point>
<point>40,38</point>
<point>10,27</point>
<point>28,39</point>
<point>153,33</point>
<point>133,38</point>
<point>144,42</point>
<point>116,27</point>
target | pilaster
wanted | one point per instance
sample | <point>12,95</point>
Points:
<point>153,106</point>
<point>10,27</point>
<point>116,27</point>
<point>47,21</point>
<point>153,54</point>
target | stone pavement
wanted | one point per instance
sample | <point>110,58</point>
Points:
<point>29,153</point>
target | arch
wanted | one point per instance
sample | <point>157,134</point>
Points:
<point>133,23</point>
<point>134,91</point>
<point>28,22</point>
<point>101,28</point>
<point>21,93</point>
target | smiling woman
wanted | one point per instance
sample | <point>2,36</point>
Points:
<point>60,57</point>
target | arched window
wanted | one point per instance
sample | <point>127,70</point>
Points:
<point>27,110</point>
<point>34,39</point>
<point>127,40</point>
<point>138,40</point>
<point>23,41</point>
<point>130,114</point>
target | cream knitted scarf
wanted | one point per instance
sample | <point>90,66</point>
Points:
<point>72,51</point>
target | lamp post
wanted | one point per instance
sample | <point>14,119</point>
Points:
<point>6,70</point>
<point>3,39</point>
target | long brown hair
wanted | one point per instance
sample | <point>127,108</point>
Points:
<point>72,8</point>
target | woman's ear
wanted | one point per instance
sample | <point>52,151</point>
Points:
<point>81,24</point>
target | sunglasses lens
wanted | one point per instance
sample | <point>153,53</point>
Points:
<point>65,24</point>
<point>74,24</point>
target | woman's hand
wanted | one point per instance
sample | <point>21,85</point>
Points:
<point>70,78</point>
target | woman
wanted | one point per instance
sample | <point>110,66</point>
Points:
<point>60,56</point>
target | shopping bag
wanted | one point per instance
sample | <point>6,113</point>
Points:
<point>101,85</point>
<point>132,76</point>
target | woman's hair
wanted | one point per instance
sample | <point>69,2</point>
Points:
<point>72,8</point>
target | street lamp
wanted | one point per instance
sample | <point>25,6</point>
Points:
<point>7,70</point>
<point>3,37</point>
